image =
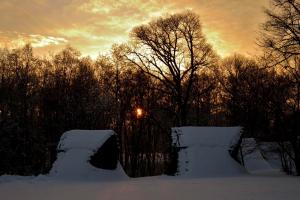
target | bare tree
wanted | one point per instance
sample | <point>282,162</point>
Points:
<point>172,49</point>
<point>282,33</point>
<point>281,40</point>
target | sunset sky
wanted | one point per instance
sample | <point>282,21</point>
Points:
<point>92,26</point>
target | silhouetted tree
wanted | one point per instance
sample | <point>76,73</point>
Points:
<point>172,49</point>
<point>23,145</point>
<point>281,41</point>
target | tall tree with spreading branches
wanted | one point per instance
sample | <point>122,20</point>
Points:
<point>172,49</point>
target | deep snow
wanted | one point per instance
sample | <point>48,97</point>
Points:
<point>210,175</point>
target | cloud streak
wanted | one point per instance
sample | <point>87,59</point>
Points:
<point>17,39</point>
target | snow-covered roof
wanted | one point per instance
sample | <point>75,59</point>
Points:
<point>206,136</point>
<point>205,152</point>
<point>83,139</point>
<point>75,150</point>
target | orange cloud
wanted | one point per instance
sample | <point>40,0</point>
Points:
<point>92,26</point>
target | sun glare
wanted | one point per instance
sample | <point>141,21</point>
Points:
<point>139,112</point>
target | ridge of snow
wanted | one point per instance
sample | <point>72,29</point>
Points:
<point>253,158</point>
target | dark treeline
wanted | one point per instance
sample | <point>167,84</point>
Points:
<point>167,69</point>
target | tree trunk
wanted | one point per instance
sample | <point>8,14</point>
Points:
<point>183,116</point>
<point>296,155</point>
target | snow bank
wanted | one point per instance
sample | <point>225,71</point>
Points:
<point>253,158</point>
<point>204,151</point>
<point>75,149</point>
<point>271,152</point>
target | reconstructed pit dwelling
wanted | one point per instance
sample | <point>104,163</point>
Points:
<point>204,151</point>
<point>199,152</point>
<point>88,154</point>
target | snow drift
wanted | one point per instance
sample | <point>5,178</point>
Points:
<point>254,160</point>
<point>204,151</point>
<point>74,153</point>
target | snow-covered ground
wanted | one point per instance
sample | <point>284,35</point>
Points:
<point>158,188</point>
<point>206,172</point>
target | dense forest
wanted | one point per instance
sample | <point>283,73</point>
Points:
<point>170,72</point>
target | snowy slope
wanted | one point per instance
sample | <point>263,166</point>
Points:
<point>75,149</point>
<point>253,159</point>
<point>204,151</point>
